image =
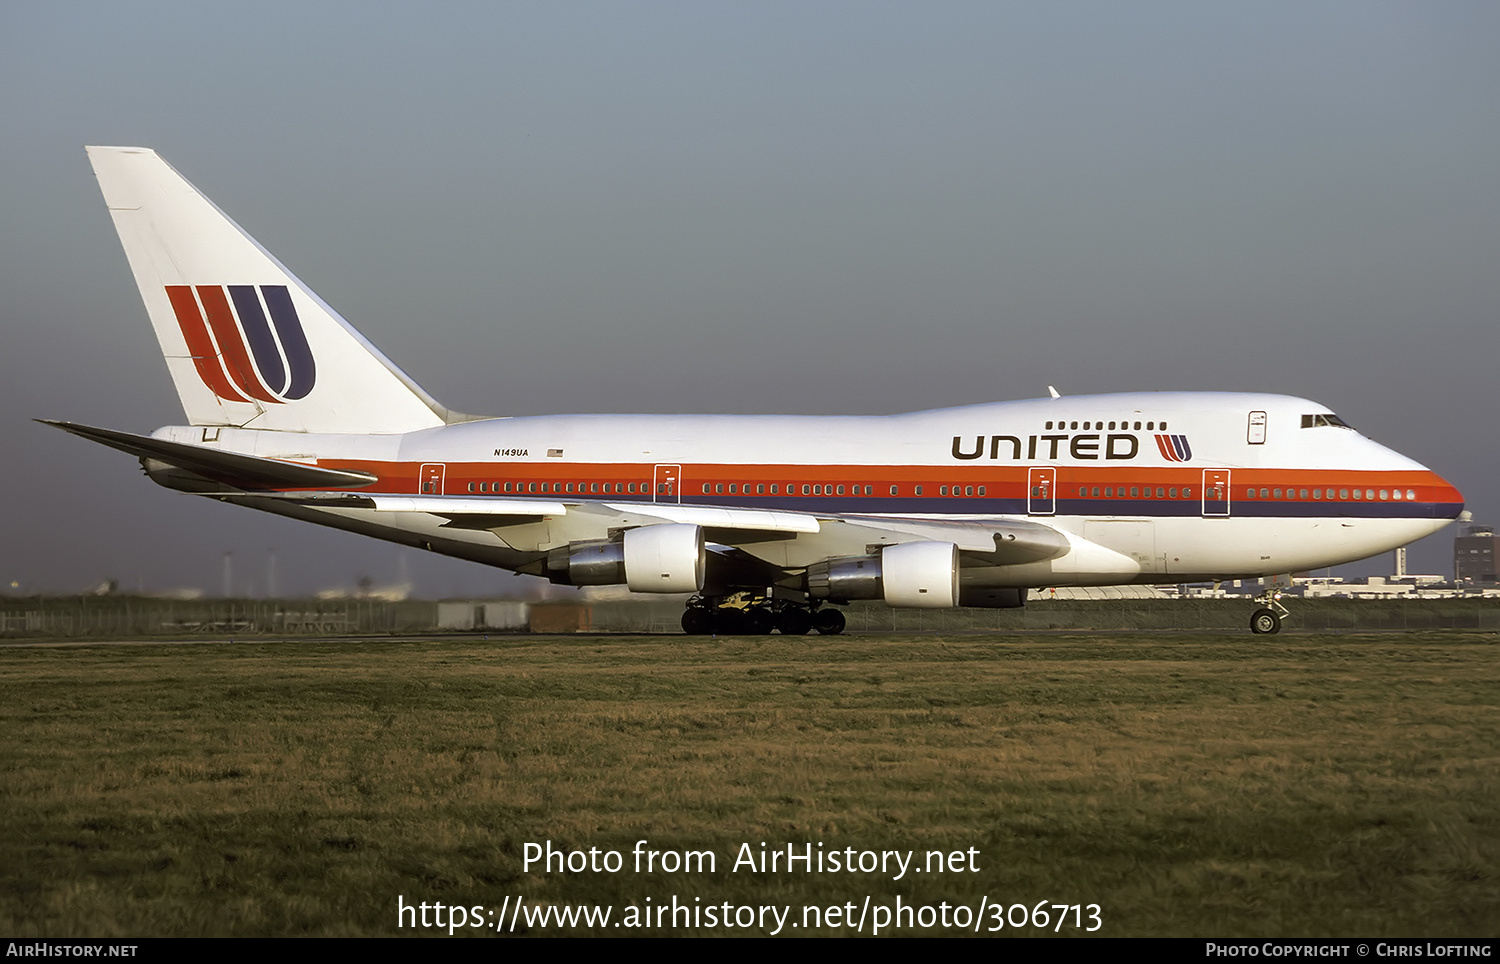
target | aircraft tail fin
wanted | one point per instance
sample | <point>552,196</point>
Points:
<point>248,345</point>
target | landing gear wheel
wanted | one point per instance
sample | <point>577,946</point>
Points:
<point>759,622</point>
<point>794,622</point>
<point>697,622</point>
<point>829,622</point>
<point>1265,621</point>
<point>729,621</point>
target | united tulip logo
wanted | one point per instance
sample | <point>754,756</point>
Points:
<point>246,341</point>
<point>1174,448</point>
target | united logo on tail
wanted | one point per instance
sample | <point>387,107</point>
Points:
<point>246,341</point>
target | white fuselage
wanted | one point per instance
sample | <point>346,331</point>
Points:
<point>1148,487</point>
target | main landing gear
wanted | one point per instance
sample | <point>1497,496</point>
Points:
<point>1267,619</point>
<point>745,615</point>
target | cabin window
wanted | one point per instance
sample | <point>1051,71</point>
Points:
<point>918,490</point>
<point>981,491</point>
<point>1411,495</point>
<point>471,486</point>
<point>1396,494</point>
<point>942,490</point>
<point>893,490</point>
<point>968,490</point>
<point>1135,492</point>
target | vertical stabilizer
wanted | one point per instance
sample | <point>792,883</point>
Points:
<point>247,344</point>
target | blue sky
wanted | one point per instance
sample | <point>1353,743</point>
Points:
<point>775,207</point>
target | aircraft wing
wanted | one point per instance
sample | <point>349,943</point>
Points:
<point>784,538</point>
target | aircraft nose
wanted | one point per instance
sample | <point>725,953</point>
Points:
<point>1449,500</point>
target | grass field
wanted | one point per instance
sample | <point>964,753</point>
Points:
<point>1189,784</point>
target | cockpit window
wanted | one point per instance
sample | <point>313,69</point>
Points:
<point>1327,418</point>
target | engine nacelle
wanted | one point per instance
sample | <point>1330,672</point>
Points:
<point>664,558</point>
<point>921,574</point>
<point>917,574</point>
<point>660,558</point>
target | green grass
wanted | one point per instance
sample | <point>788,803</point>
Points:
<point>1189,785</point>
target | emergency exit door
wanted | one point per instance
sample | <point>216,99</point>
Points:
<point>1041,491</point>
<point>668,484</point>
<point>1216,492</point>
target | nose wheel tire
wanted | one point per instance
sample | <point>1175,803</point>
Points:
<point>1265,621</point>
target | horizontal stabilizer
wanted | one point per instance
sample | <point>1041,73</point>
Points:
<point>248,472</point>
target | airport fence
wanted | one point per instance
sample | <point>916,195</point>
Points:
<point>135,616</point>
<point>127,616</point>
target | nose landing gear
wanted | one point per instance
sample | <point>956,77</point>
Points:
<point>1267,619</point>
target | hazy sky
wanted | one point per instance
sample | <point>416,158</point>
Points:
<point>737,207</point>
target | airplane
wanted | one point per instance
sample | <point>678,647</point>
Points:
<point>770,522</point>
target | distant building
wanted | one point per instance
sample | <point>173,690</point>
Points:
<point>1474,555</point>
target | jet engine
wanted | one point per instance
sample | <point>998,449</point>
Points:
<point>665,558</point>
<point>916,574</point>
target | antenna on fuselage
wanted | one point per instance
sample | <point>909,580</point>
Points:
<point>1053,392</point>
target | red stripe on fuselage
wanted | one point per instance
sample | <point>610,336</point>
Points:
<point>1001,483</point>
